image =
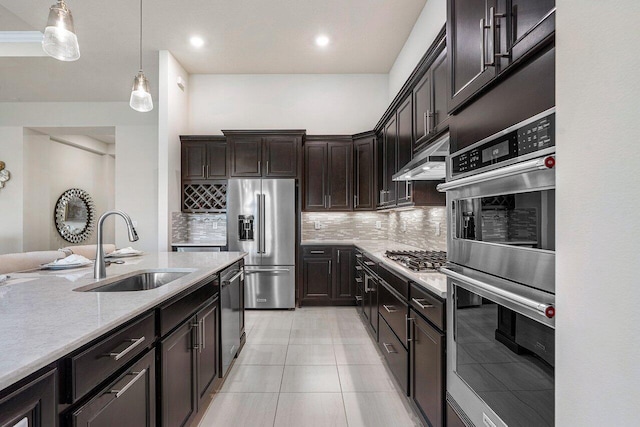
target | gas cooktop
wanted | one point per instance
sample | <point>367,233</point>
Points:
<point>419,260</point>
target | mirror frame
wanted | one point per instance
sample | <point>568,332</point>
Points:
<point>59,214</point>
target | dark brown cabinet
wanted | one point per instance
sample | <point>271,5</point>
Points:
<point>207,360</point>
<point>387,164</point>
<point>430,95</point>
<point>453,419</point>
<point>33,402</point>
<point>129,401</point>
<point>328,275</point>
<point>427,375</point>
<point>485,38</point>
<point>328,174</point>
<point>203,158</point>
<point>364,185</point>
<point>404,147</point>
<point>269,154</point>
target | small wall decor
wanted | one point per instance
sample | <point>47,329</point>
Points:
<point>4,174</point>
<point>75,215</point>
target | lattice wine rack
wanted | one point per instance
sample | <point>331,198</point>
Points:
<point>204,197</point>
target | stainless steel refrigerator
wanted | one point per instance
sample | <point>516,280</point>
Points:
<point>261,221</point>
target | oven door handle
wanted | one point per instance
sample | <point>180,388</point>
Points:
<point>547,162</point>
<point>547,310</point>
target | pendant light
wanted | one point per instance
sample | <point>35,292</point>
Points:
<point>140,95</point>
<point>60,40</point>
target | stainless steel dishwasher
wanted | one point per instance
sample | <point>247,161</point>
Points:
<point>231,284</point>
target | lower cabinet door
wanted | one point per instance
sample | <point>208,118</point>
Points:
<point>207,353</point>
<point>394,352</point>
<point>179,401</point>
<point>32,405</point>
<point>427,369</point>
<point>130,401</point>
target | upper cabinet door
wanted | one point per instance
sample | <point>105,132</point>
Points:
<point>404,145</point>
<point>422,107</point>
<point>339,176</point>
<point>532,21</point>
<point>194,160</point>
<point>281,156</point>
<point>246,156</point>
<point>216,160</point>
<point>439,72</point>
<point>364,174</point>
<point>315,164</point>
<point>471,45</point>
<point>390,142</point>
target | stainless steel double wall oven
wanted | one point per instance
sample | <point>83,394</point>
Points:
<point>501,276</point>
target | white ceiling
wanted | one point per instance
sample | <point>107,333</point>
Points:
<point>241,36</point>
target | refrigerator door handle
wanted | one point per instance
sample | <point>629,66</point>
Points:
<point>259,222</point>
<point>262,221</point>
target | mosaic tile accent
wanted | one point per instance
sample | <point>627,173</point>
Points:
<point>344,226</point>
<point>198,227</point>
<point>419,227</point>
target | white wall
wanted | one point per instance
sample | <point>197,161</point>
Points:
<point>598,196</point>
<point>429,23</point>
<point>11,199</point>
<point>136,180</point>
<point>319,103</point>
<point>173,117</point>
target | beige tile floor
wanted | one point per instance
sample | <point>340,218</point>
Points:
<point>308,367</point>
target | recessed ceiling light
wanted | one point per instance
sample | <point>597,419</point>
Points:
<point>322,40</point>
<point>196,41</point>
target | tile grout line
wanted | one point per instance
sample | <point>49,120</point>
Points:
<point>275,414</point>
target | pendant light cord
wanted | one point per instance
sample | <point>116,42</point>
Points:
<point>140,35</point>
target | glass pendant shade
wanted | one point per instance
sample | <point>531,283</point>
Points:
<point>60,40</point>
<point>140,95</point>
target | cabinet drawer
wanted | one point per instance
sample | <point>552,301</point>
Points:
<point>317,250</point>
<point>394,311</point>
<point>131,399</point>
<point>429,306</point>
<point>370,263</point>
<point>398,283</point>
<point>394,353</point>
<point>94,365</point>
<point>174,313</point>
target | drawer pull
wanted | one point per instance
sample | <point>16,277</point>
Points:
<point>316,252</point>
<point>369,263</point>
<point>135,343</point>
<point>358,298</point>
<point>358,256</point>
<point>387,346</point>
<point>389,310</point>
<point>359,268</point>
<point>420,301</point>
<point>359,279</point>
<point>120,392</point>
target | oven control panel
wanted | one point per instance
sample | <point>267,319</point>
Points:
<point>524,139</point>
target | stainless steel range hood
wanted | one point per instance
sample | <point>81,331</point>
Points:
<point>427,164</point>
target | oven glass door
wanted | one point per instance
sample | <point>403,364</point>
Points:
<point>505,358</point>
<point>523,219</point>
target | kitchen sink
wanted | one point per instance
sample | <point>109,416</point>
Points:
<point>137,281</point>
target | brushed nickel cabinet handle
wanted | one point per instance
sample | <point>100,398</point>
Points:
<point>120,392</point>
<point>203,342</point>
<point>196,335</point>
<point>338,256</point>
<point>386,347</point>
<point>204,174</point>
<point>316,252</point>
<point>420,301</point>
<point>135,342</point>
<point>389,310</point>
<point>426,129</point>
<point>483,42</point>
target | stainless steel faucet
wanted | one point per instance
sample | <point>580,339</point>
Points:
<point>100,268</point>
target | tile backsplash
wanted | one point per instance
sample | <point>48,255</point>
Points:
<point>424,227</point>
<point>198,228</point>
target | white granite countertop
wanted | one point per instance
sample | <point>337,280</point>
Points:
<point>42,319</point>
<point>434,282</point>
<point>213,243</point>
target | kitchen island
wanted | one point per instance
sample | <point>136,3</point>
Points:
<point>45,321</point>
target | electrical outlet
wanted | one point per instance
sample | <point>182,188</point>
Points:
<point>438,232</point>
<point>378,225</point>
<point>214,225</point>
<point>486,421</point>
<point>317,225</point>
<point>403,227</point>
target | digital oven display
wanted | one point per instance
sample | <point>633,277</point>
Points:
<point>489,155</point>
<point>526,139</point>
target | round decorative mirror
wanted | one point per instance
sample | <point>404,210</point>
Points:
<point>75,215</point>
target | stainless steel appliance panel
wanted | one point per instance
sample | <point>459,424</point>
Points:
<point>243,196</point>
<point>278,222</point>
<point>270,286</point>
<point>231,281</point>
